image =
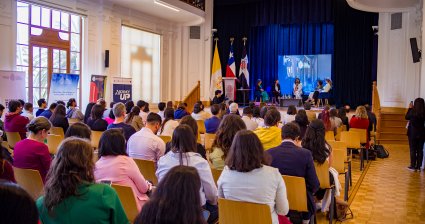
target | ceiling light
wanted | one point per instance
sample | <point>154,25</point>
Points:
<point>168,6</point>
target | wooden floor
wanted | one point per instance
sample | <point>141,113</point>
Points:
<point>388,192</point>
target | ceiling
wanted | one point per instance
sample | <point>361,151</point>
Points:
<point>383,5</point>
<point>183,16</point>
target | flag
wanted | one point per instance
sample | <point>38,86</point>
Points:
<point>216,78</point>
<point>230,68</point>
<point>243,70</point>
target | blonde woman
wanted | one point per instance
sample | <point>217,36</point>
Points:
<point>360,121</point>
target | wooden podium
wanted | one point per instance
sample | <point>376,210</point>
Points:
<point>230,87</point>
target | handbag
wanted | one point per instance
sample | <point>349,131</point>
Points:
<point>342,211</point>
<point>381,152</point>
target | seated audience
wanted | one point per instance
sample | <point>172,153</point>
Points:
<point>144,110</point>
<point>183,152</point>
<point>371,116</point>
<point>111,117</point>
<point>87,114</point>
<point>108,111</point>
<point>95,122</point>
<point>2,133</point>
<point>302,120</point>
<point>233,108</point>
<point>360,120</point>
<point>270,135</point>
<point>223,110</point>
<point>169,124</point>
<point>246,176</point>
<point>224,138</point>
<point>16,205</point>
<point>73,111</point>
<point>79,130</point>
<point>247,119</point>
<point>134,119</point>
<point>161,108</point>
<point>58,118</point>
<point>145,144</point>
<point>336,122</point>
<point>290,114</point>
<point>61,102</point>
<point>325,117</point>
<point>6,170</point>
<point>170,104</point>
<point>32,153</point>
<point>14,121</point>
<point>180,112</point>
<point>42,105</point>
<point>343,116</point>
<point>119,113</point>
<point>114,165</point>
<point>219,97</point>
<point>102,103</point>
<point>71,194</point>
<point>48,113</point>
<point>256,116</point>
<point>28,111</point>
<point>173,200</point>
<point>211,124</point>
<point>128,106</point>
<point>198,113</point>
<point>293,160</point>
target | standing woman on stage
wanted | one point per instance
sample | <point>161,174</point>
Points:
<point>259,91</point>
<point>298,88</point>
<point>416,133</point>
<point>276,91</point>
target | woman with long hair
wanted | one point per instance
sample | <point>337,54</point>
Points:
<point>134,119</point>
<point>416,133</point>
<point>360,120</point>
<point>302,120</point>
<point>95,122</point>
<point>223,139</point>
<point>71,195</point>
<point>73,111</point>
<point>199,113</point>
<point>174,200</point>
<point>59,119</point>
<point>169,124</point>
<point>87,114</point>
<point>183,152</point>
<point>247,176</point>
<point>128,106</point>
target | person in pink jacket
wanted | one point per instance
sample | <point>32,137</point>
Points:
<point>115,166</point>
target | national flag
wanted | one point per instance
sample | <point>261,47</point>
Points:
<point>216,77</point>
<point>243,70</point>
<point>230,68</point>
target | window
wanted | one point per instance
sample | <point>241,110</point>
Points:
<point>48,41</point>
<point>140,60</point>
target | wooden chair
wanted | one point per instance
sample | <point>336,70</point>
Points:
<point>12,138</point>
<point>201,126</point>
<point>165,138</point>
<point>338,160</point>
<point>57,131</point>
<point>53,142</point>
<point>322,172</point>
<point>363,143</point>
<point>128,201</point>
<point>311,115</point>
<point>339,145</point>
<point>95,138</point>
<point>209,139</point>
<point>72,121</point>
<point>297,194</point>
<point>30,180</point>
<point>352,140</point>
<point>238,212</point>
<point>338,133</point>
<point>216,174</point>
<point>330,136</point>
<point>147,168</point>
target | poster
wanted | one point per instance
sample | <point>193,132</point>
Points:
<point>12,87</point>
<point>97,87</point>
<point>121,89</point>
<point>63,87</point>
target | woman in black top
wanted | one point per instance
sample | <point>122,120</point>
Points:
<point>416,133</point>
<point>302,120</point>
<point>95,122</point>
<point>343,115</point>
<point>59,119</point>
<point>88,111</point>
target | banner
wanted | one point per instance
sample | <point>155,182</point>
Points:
<point>121,89</point>
<point>216,82</point>
<point>63,87</point>
<point>97,87</point>
<point>12,87</point>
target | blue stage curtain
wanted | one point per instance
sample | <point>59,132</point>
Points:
<point>268,42</point>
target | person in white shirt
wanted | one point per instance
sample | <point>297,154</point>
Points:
<point>246,178</point>
<point>183,152</point>
<point>161,108</point>
<point>256,116</point>
<point>290,115</point>
<point>169,124</point>
<point>298,89</point>
<point>28,111</point>
<point>327,87</point>
<point>143,110</point>
<point>145,144</point>
<point>336,122</point>
<point>247,119</point>
<point>233,108</point>
<point>199,114</point>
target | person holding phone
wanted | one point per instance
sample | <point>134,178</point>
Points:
<point>416,132</point>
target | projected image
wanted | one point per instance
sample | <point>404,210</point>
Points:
<point>308,68</point>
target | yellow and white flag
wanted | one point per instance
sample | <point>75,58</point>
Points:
<point>216,78</point>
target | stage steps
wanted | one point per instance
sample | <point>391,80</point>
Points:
<point>393,126</point>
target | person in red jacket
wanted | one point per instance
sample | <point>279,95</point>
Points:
<point>360,120</point>
<point>14,122</point>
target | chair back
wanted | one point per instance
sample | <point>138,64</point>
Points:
<point>363,134</point>
<point>296,192</point>
<point>216,174</point>
<point>128,201</point>
<point>344,127</point>
<point>338,133</point>
<point>95,138</point>
<point>73,120</point>
<point>165,138</point>
<point>329,136</point>
<point>147,168</point>
<point>53,142</point>
<point>57,131</point>
<point>209,139</point>
<point>12,138</point>
<point>351,139</point>
<point>338,145</point>
<point>322,172</point>
<point>338,159</point>
<point>201,126</point>
<point>238,212</point>
<point>30,180</point>
<point>311,115</point>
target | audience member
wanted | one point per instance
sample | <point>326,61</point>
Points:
<point>247,119</point>
<point>183,152</point>
<point>145,144</point>
<point>2,133</point>
<point>59,119</point>
<point>290,114</point>
<point>219,97</point>
<point>302,120</point>
<point>161,108</point>
<point>360,120</point>
<point>246,165</point>
<point>115,166</point>
<point>347,108</point>
<point>22,103</point>
<point>343,116</point>
<point>48,113</point>
<point>128,106</point>
<point>108,111</point>
<point>307,106</point>
<point>169,124</point>
<point>224,138</point>
<point>211,124</point>
<point>416,133</point>
<point>234,108</point>
<point>87,114</point>
<point>95,122</point>
<point>79,130</point>
<point>325,117</point>
<point>28,111</point>
<point>111,117</point>
<point>73,111</point>
<point>42,105</point>
<point>61,103</point>
<point>256,116</point>
<point>270,135</point>
<point>134,119</point>
<point>170,104</point>
<point>102,103</point>
<point>293,160</point>
<point>199,113</point>
<point>143,114</point>
<point>336,122</point>
<point>14,121</point>
<point>32,153</point>
<point>174,200</point>
<point>16,205</point>
<point>371,116</point>
<point>223,110</point>
<point>180,112</point>
<point>71,196</point>
<point>6,170</point>
<point>119,113</point>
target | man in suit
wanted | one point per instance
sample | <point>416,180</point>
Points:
<point>293,160</point>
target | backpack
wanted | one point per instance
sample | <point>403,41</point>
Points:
<point>381,152</point>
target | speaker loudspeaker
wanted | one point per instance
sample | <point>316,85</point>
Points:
<point>106,58</point>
